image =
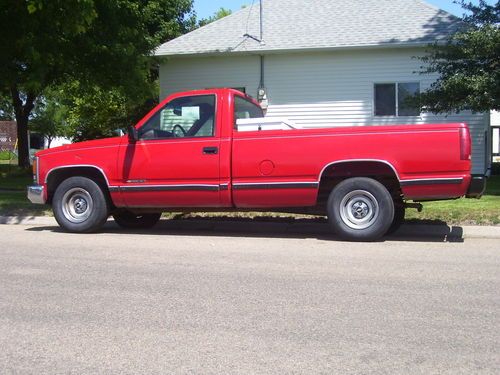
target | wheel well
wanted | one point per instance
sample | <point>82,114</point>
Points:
<point>377,170</point>
<point>57,176</point>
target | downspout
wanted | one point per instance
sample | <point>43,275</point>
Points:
<point>262,91</point>
<point>261,82</point>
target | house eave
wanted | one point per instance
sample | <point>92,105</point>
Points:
<point>264,51</point>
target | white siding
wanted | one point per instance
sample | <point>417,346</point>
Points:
<point>320,89</point>
<point>209,72</point>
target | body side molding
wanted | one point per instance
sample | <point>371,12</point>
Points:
<point>432,181</point>
<point>180,187</point>
<point>275,185</point>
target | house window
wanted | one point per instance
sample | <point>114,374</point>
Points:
<point>391,99</point>
<point>495,132</point>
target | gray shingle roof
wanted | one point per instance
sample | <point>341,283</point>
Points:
<point>318,24</point>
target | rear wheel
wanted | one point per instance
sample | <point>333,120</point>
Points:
<point>360,209</point>
<point>399,218</point>
<point>127,219</point>
<point>80,205</point>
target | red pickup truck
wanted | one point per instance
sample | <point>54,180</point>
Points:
<point>190,154</point>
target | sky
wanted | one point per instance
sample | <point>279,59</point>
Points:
<point>206,8</point>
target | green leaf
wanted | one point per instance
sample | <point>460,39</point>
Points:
<point>31,7</point>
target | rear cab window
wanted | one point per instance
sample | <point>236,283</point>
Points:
<point>245,109</point>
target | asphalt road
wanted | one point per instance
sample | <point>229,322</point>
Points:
<point>226,302</point>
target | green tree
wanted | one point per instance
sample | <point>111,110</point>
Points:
<point>102,43</point>
<point>221,13</point>
<point>468,64</point>
<point>50,116</point>
<point>95,112</point>
<point>6,109</point>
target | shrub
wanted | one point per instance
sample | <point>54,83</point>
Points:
<point>6,155</point>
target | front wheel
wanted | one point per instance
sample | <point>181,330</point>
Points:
<point>399,218</point>
<point>360,209</point>
<point>127,219</point>
<point>79,205</point>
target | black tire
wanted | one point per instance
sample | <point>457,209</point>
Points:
<point>127,219</point>
<point>79,205</point>
<point>399,218</point>
<point>360,209</point>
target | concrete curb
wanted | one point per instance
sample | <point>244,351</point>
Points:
<point>448,232</point>
<point>28,220</point>
<point>414,231</point>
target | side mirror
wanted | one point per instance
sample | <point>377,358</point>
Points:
<point>133,135</point>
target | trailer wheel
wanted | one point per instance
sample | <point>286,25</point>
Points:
<point>129,220</point>
<point>79,205</point>
<point>360,209</point>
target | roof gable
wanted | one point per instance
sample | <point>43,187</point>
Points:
<point>318,24</point>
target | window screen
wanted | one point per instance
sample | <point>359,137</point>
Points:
<point>393,99</point>
<point>406,91</point>
<point>385,99</point>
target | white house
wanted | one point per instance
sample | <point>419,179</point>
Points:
<point>321,63</point>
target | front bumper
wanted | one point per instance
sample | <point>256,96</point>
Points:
<point>477,186</point>
<point>36,194</point>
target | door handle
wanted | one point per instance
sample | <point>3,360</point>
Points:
<point>210,150</point>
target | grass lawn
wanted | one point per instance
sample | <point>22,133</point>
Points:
<point>13,201</point>
<point>12,177</point>
<point>16,204</point>
<point>464,211</point>
<point>485,211</point>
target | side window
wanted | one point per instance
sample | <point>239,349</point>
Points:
<point>391,99</point>
<point>186,117</point>
<point>246,109</point>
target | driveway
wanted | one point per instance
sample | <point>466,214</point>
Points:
<point>229,301</point>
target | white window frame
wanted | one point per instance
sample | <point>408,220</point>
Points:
<point>395,83</point>
<point>495,136</point>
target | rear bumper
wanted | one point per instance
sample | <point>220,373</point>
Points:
<point>477,186</point>
<point>36,194</point>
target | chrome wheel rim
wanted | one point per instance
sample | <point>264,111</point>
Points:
<point>77,205</point>
<point>359,209</point>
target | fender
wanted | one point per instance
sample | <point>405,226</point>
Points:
<point>359,160</point>
<point>78,166</point>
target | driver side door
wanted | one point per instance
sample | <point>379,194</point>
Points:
<point>175,161</point>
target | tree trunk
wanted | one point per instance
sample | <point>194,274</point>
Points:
<point>22,111</point>
<point>23,142</point>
